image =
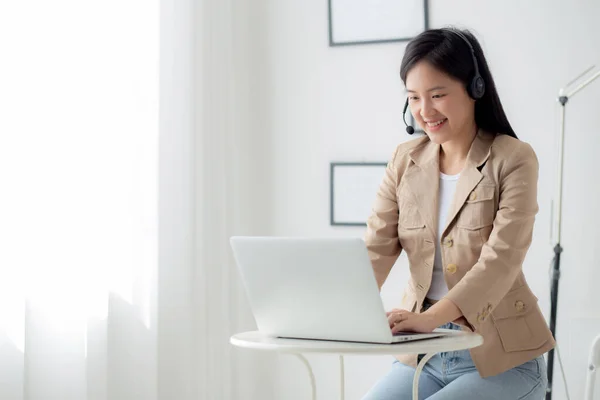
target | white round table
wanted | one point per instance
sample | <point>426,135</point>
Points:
<point>455,340</point>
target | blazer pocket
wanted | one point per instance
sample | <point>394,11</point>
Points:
<point>519,322</point>
<point>409,216</point>
<point>479,209</point>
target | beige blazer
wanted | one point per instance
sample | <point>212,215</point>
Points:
<point>484,242</point>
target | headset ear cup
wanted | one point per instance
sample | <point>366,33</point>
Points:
<point>477,88</point>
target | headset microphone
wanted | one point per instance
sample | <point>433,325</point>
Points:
<point>409,129</point>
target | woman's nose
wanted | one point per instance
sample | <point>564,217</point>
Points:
<point>427,109</point>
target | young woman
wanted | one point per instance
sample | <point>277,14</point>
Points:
<point>461,202</point>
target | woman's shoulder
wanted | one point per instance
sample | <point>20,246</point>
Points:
<point>405,148</point>
<point>508,147</point>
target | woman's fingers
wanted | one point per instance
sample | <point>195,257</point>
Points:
<point>398,328</point>
<point>391,319</point>
<point>395,310</point>
<point>396,316</point>
<point>402,322</point>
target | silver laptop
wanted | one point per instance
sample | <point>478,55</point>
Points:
<point>314,288</point>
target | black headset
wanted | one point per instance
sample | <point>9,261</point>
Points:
<point>475,89</point>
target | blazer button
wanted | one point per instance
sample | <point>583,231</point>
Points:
<point>473,196</point>
<point>448,242</point>
<point>519,305</point>
<point>451,268</point>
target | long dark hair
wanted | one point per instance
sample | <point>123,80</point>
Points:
<point>448,52</point>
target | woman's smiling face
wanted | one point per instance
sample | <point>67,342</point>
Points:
<point>439,103</point>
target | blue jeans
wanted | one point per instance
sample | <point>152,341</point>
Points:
<point>452,376</point>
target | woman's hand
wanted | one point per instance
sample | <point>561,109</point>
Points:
<point>440,313</point>
<point>403,320</point>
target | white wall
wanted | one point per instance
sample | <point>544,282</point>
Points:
<point>310,104</point>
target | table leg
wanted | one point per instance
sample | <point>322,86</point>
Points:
<point>310,374</point>
<point>342,385</point>
<point>418,374</point>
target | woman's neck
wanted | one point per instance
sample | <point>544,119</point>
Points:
<point>453,154</point>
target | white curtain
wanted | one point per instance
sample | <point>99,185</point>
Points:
<point>232,191</point>
<point>78,289</point>
<point>118,195</point>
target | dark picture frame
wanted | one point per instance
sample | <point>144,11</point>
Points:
<point>353,187</point>
<point>349,26</point>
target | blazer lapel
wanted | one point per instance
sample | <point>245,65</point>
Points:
<point>423,178</point>
<point>470,176</point>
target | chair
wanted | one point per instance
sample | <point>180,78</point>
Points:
<point>593,367</point>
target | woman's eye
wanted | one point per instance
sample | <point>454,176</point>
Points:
<point>438,96</point>
<point>411,98</point>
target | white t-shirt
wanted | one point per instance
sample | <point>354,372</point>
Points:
<point>448,183</point>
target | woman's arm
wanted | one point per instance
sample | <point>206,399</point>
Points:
<point>440,313</point>
<point>381,236</point>
<point>502,256</point>
<point>443,311</point>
